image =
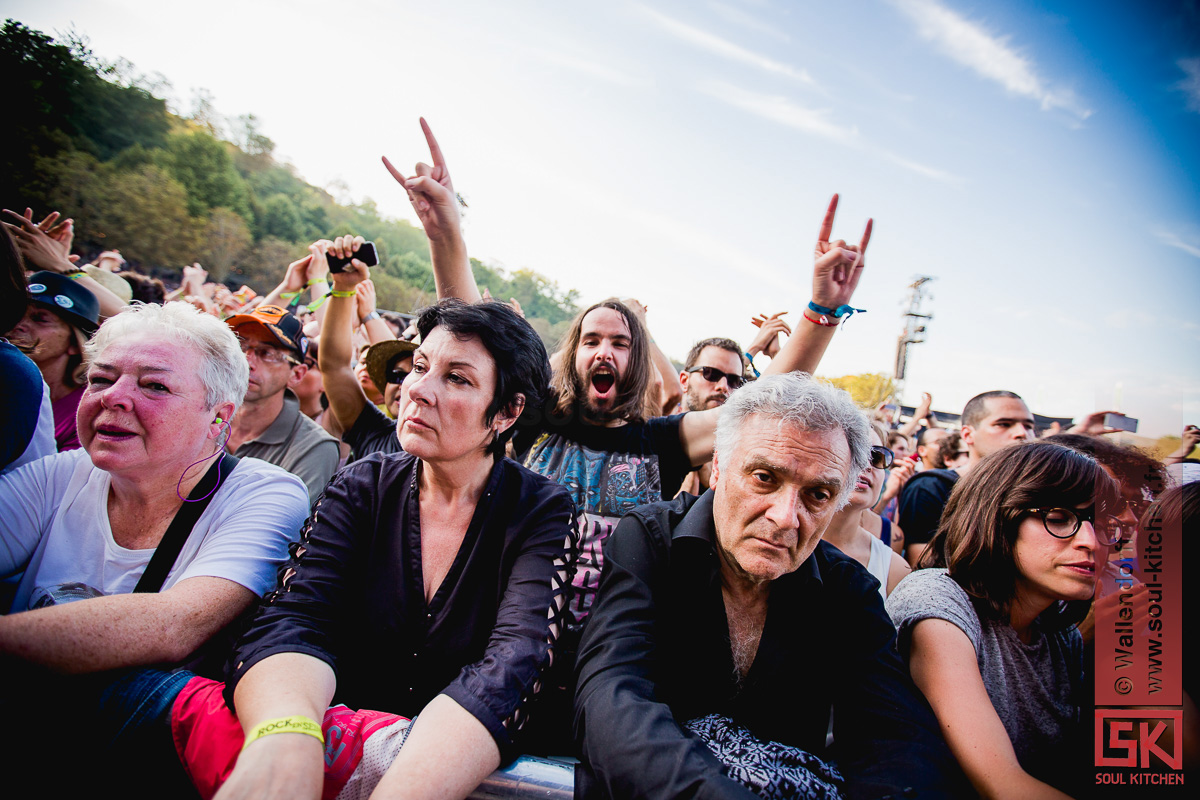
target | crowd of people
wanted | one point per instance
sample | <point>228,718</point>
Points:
<point>293,545</point>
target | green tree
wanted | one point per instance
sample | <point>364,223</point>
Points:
<point>59,100</point>
<point>264,263</point>
<point>142,211</point>
<point>281,219</point>
<point>225,240</point>
<point>205,168</point>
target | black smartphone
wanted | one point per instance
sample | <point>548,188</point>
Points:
<point>365,253</point>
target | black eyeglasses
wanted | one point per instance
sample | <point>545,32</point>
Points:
<point>1063,523</point>
<point>881,457</point>
<point>714,375</point>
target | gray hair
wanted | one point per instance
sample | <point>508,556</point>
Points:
<point>223,369</point>
<point>796,398</point>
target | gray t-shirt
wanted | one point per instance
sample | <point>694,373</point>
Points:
<point>1033,687</point>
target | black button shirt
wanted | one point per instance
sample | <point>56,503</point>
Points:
<point>353,595</point>
<point>656,653</point>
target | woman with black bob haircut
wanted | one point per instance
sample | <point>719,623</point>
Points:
<point>428,586</point>
<point>522,367</point>
<point>986,622</point>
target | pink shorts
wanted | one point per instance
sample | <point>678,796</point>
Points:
<point>359,745</point>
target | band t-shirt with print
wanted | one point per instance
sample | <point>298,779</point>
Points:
<point>608,472</point>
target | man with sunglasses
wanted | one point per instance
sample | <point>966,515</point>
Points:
<point>714,368</point>
<point>712,371</point>
<point>269,425</point>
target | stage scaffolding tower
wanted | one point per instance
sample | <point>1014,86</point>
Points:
<point>914,329</point>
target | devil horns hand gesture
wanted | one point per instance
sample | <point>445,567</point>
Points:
<point>838,265</point>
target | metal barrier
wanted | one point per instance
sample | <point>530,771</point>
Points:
<point>527,778</point>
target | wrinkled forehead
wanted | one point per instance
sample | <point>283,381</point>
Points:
<point>802,454</point>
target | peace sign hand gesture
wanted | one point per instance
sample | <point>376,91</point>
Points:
<point>838,265</point>
<point>431,191</point>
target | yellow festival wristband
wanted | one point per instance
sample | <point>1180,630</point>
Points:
<point>293,724</point>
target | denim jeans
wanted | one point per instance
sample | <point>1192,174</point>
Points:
<point>138,704</point>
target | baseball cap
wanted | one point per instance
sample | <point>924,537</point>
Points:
<point>76,304</point>
<point>285,327</point>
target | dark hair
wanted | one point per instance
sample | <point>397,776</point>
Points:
<point>976,408</point>
<point>923,432</point>
<point>522,367</point>
<point>145,289</point>
<point>631,391</point>
<point>978,530</point>
<point>1132,467</point>
<point>946,448</point>
<point>716,341</point>
<point>14,289</point>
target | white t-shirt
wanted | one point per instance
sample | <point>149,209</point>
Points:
<point>54,526</point>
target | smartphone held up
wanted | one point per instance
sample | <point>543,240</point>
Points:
<point>365,253</point>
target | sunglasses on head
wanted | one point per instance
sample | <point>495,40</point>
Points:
<point>881,457</point>
<point>714,375</point>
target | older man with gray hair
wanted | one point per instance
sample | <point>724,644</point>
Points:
<point>725,630</point>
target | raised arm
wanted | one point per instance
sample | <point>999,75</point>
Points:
<point>342,389</point>
<point>436,203</point>
<point>48,247</point>
<point>923,412</point>
<point>837,268</point>
<point>293,282</point>
<point>669,390</point>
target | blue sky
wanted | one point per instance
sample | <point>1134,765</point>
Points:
<point>1039,159</point>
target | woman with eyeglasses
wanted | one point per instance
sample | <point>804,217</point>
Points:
<point>846,531</point>
<point>987,621</point>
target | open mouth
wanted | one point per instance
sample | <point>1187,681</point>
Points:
<point>602,381</point>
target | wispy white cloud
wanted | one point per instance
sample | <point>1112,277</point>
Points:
<point>748,21</point>
<point>1190,85</point>
<point>782,110</point>
<point>1188,240</point>
<point>816,122</point>
<point>989,55</point>
<point>591,68</point>
<point>723,47</point>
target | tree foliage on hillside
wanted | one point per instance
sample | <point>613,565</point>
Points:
<point>93,141</point>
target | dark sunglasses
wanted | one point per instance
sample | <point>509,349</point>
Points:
<point>881,457</point>
<point>714,375</point>
<point>395,375</point>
